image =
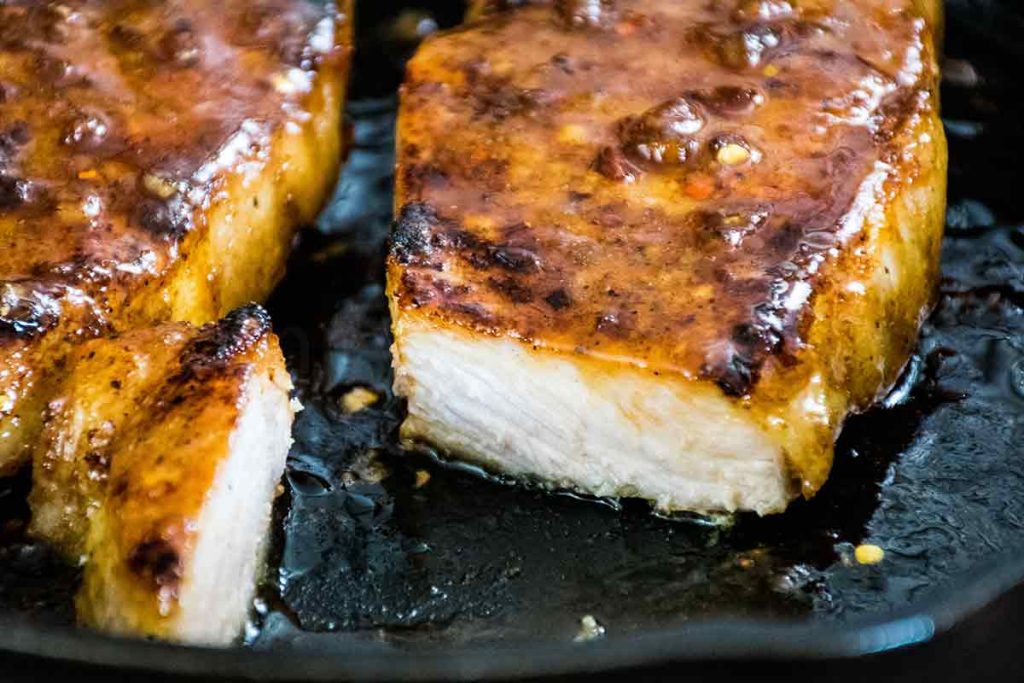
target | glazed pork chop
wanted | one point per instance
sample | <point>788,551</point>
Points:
<point>155,160</point>
<point>157,467</point>
<point>663,248</point>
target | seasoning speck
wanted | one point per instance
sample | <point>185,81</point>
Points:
<point>159,187</point>
<point>358,399</point>
<point>422,478</point>
<point>590,629</point>
<point>868,554</point>
<point>733,154</point>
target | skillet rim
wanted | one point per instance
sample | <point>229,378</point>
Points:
<point>719,640</point>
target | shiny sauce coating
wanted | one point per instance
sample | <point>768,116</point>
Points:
<point>658,182</point>
<point>117,121</point>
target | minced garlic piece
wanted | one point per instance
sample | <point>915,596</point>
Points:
<point>590,629</point>
<point>358,399</point>
<point>732,154</point>
<point>868,554</point>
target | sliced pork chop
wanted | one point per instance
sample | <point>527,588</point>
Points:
<point>663,248</point>
<point>155,160</point>
<point>157,470</point>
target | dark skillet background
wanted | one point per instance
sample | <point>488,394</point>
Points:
<point>364,559</point>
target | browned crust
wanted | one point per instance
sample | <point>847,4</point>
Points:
<point>132,116</point>
<point>165,458</point>
<point>707,286</point>
<point>129,385</point>
<point>130,501</point>
<point>559,182</point>
<point>117,159</point>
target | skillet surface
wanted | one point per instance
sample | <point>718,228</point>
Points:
<point>461,576</point>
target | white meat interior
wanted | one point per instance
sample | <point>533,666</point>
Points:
<point>233,525</point>
<point>600,428</point>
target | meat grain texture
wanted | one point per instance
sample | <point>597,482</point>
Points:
<point>157,467</point>
<point>663,249</point>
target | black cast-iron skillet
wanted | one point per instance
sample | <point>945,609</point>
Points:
<point>374,577</point>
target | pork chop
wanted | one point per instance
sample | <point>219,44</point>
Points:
<point>664,248</point>
<point>155,161</point>
<point>157,467</point>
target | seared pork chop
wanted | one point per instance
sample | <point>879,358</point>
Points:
<point>155,160</point>
<point>156,469</point>
<point>663,248</point>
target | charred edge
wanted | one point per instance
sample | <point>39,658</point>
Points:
<point>488,174</point>
<point>475,314</point>
<point>157,562</point>
<point>27,309</point>
<point>220,343</point>
<point>12,139</point>
<point>499,98</point>
<point>558,299</point>
<point>14,192</point>
<point>735,376</point>
<point>511,289</point>
<point>752,344</point>
<point>410,233</point>
<point>167,219</point>
<point>420,291</point>
<point>419,232</point>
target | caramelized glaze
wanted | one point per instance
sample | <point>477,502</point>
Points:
<point>658,181</point>
<point>135,453</point>
<point>114,118</point>
<point>745,194</point>
<point>155,159</point>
